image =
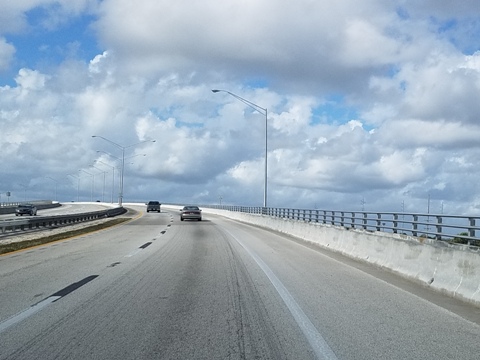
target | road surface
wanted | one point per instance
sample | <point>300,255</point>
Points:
<point>66,208</point>
<point>158,288</point>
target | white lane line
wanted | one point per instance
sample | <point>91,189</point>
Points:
<point>4,325</point>
<point>134,253</point>
<point>315,339</point>
<point>27,312</point>
<point>144,246</point>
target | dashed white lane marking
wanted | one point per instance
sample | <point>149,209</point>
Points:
<point>27,312</point>
<point>4,325</point>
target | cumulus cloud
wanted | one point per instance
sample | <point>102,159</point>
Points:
<point>7,51</point>
<point>365,101</point>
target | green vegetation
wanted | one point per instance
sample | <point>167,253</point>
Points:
<point>460,240</point>
<point>20,245</point>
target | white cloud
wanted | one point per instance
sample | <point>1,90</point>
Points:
<point>411,94</point>
<point>365,45</point>
<point>440,134</point>
<point>7,51</point>
<point>28,79</point>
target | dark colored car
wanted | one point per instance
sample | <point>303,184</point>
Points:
<point>26,210</point>
<point>153,206</point>
<point>191,213</point>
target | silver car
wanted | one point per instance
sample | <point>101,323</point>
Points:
<point>191,213</point>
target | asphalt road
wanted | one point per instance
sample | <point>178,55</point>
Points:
<point>158,288</point>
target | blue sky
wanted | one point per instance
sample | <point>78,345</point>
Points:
<point>374,102</point>
<point>38,47</point>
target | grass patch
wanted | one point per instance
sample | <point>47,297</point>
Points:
<point>20,245</point>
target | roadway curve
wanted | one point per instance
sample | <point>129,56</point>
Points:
<point>158,288</point>
<point>65,209</point>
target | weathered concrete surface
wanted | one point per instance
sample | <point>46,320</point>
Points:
<point>453,269</point>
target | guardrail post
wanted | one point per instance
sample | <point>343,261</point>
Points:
<point>415,225</point>
<point>342,219</point>
<point>471,229</point>
<point>333,218</point>
<point>379,222</point>
<point>439,228</point>
<point>353,220</point>
<point>395,223</point>
<point>365,221</point>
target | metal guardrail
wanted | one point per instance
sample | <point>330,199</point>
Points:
<point>37,222</point>
<point>10,204</point>
<point>462,229</point>
<point>9,208</point>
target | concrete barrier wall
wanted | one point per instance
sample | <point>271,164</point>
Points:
<point>452,269</point>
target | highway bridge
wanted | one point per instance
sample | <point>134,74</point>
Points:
<point>159,288</point>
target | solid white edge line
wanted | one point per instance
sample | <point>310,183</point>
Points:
<point>314,338</point>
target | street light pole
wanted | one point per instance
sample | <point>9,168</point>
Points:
<point>24,192</point>
<point>78,185</point>
<point>262,111</point>
<point>103,190</point>
<point>120,195</point>
<point>113,175</point>
<point>113,168</point>
<point>56,185</point>
<point>93,180</point>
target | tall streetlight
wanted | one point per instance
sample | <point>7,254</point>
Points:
<point>120,195</point>
<point>24,191</point>
<point>78,185</point>
<point>113,168</point>
<point>113,175</point>
<point>117,158</point>
<point>104,172</point>
<point>262,111</point>
<point>93,180</point>
<point>56,185</point>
